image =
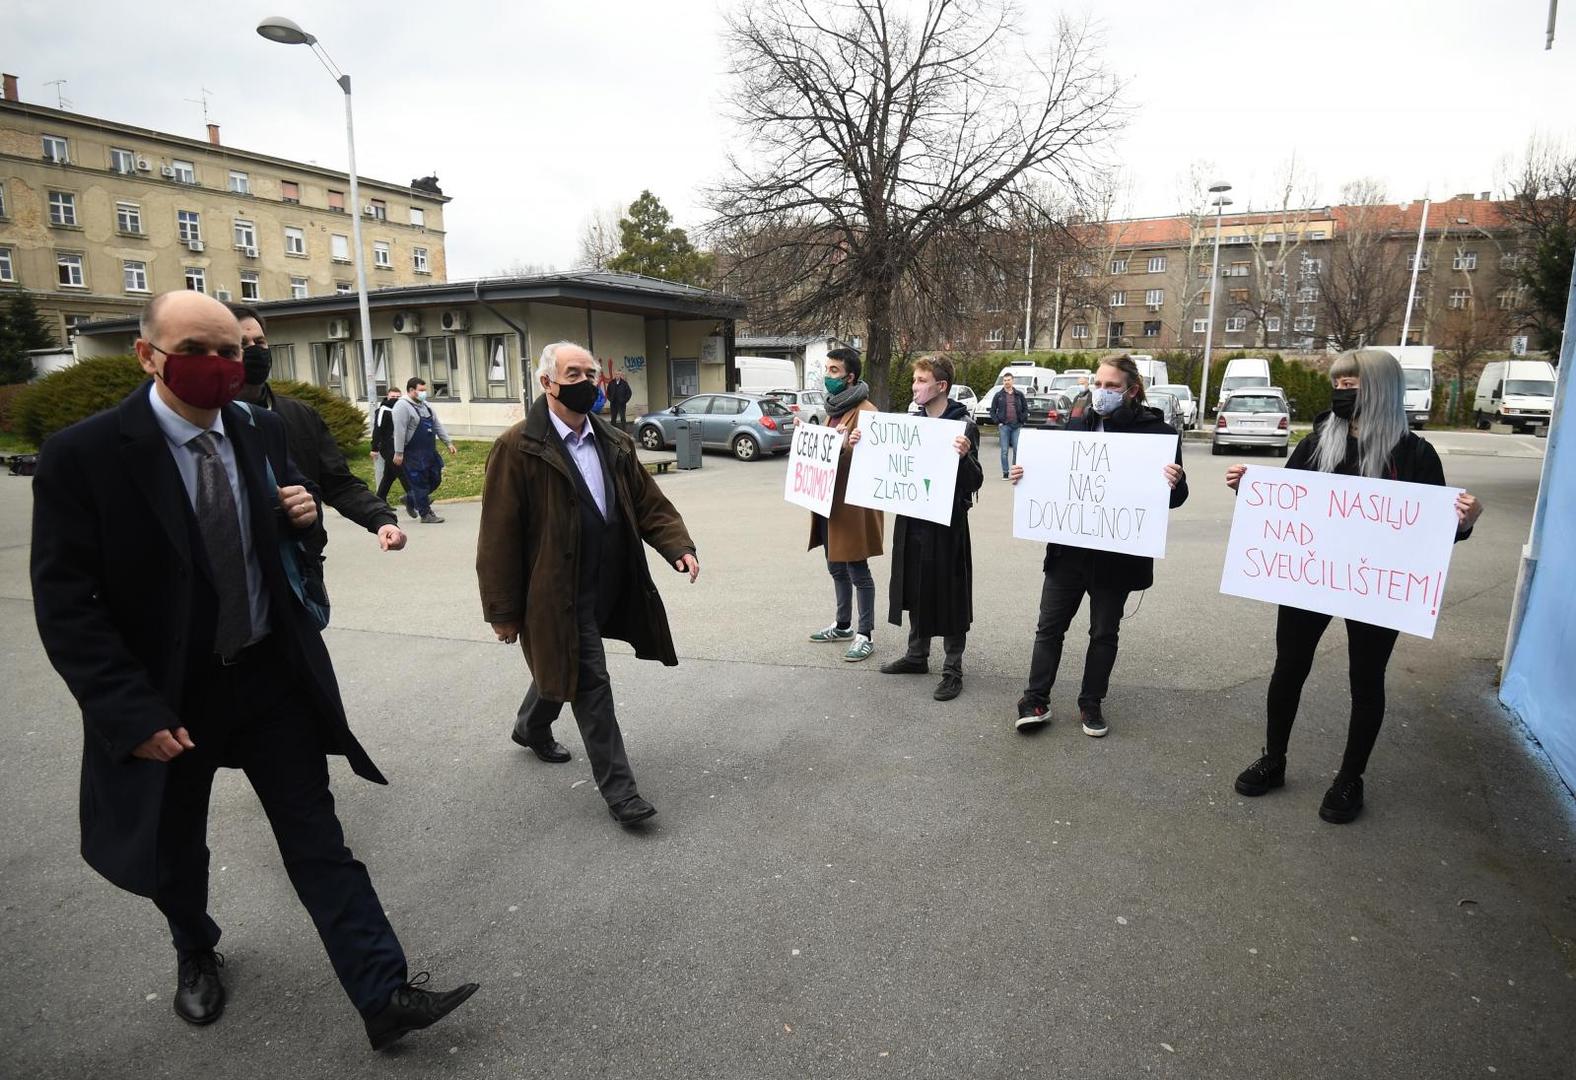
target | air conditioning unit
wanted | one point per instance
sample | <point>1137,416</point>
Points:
<point>339,329</point>
<point>369,210</point>
<point>194,245</point>
<point>222,294</point>
<point>167,171</point>
<point>407,322</point>
<point>142,165</point>
<point>454,320</point>
<point>249,252</point>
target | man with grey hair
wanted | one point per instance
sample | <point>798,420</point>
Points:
<point>565,505</point>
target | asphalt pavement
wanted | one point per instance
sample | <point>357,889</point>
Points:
<point>847,878</point>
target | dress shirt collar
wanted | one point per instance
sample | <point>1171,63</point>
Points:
<point>177,429</point>
<point>569,434</point>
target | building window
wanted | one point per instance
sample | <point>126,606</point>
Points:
<point>339,248</point>
<point>283,356</point>
<point>185,172</point>
<point>336,201</point>
<point>1460,299</point>
<point>1316,234</point>
<point>1236,269</point>
<point>7,268</point>
<point>1154,297</point>
<point>240,183</point>
<point>1080,331</point>
<point>128,217</point>
<point>290,191</point>
<point>418,217</point>
<point>1200,326</point>
<point>1420,298</point>
<point>381,257</point>
<point>68,271</point>
<point>1510,260</point>
<point>62,208</point>
<point>295,240</point>
<point>380,365</point>
<point>1412,263</point>
<point>1236,324</point>
<point>1118,266</point>
<point>1237,296</point>
<point>1304,324</point>
<point>1203,269</point>
<point>3,214</point>
<point>329,368</point>
<point>995,337</point>
<point>1152,328</point>
<point>342,288</point>
<point>56,150</point>
<point>188,225</point>
<point>1118,298</point>
<point>251,285</point>
<point>379,210</point>
<point>435,365</point>
<point>1083,270</point>
<point>1272,324</point>
<point>134,275</point>
<point>1114,333</point>
<point>1510,299</point>
<point>1464,260</point>
<point>418,260</point>
<point>245,235</point>
<point>492,367</point>
<point>298,288</point>
<point>1271,238</point>
<point>196,279</point>
<point>122,161</point>
<point>1157,264</point>
<point>1308,294</point>
<point>1311,267</point>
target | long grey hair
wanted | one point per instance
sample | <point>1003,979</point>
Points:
<point>1380,417</point>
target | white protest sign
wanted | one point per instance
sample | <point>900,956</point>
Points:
<point>812,467</point>
<point>1372,550</point>
<point>1094,489</point>
<point>905,464</point>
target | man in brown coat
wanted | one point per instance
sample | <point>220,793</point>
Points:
<point>565,505</point>
<point>853,534</point>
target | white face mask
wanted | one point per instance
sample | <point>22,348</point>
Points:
<point>1106,401</point>
<point>421,395</point>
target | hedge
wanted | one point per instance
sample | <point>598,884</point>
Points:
<point>346,423</point>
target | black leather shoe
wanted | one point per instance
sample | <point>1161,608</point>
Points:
<point>199,994</point>
<point>632,811</point>
<point>549,750</point>
<point>411,1008</point>
<point>948,688</point>
<point>904,666</point>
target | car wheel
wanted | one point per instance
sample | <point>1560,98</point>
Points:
<point>1215,450</point>
<point>651,437</point>
<point>1282,451</point>
<point>745,448</point>
<point>1482,424</point>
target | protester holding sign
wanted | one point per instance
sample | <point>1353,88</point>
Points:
<point>933,564</point>
<point>852,534</point>
<point>1365,433</point>
<point>1106,577</point>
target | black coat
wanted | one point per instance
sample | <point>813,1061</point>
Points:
<point>318,456</point>
<point>125,608</point>
<point>1112,569</point>
<point>619,391</point>
<point>933,565</point>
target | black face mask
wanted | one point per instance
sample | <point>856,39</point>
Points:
<point>258,363</point>
<point>578,397</point>
<point>1343,403</point>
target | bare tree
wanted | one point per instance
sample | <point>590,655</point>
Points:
<point>1466,331</point>
<point>1362,280</point>
<point>521,268</point>
<point>599,237</point>
<point>1268,264</point>
<point>879,134</point>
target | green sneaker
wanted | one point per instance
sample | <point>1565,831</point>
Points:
<point>834,633</point>
<point>859,650</point>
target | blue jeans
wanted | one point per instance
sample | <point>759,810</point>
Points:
<point>1008,436</point>
<point>847,577</point>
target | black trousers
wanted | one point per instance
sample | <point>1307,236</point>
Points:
<point>593,709</point>
<point>1368,648</point>
<point>391,473</point>
<point>1059,601</point>
<point>249,717</point>
<point>617,414</point>
<point>952,646</point>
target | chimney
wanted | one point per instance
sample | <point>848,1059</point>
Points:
<point>213,134</point>
<point>10,88</point>
<point>1484,196</point>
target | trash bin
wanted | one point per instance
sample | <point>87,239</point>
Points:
<point>686,444</point>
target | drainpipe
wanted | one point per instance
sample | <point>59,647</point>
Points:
<point>519,332</point>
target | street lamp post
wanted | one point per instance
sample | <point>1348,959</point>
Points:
<point>285,32</point>
<point>1220,202</point>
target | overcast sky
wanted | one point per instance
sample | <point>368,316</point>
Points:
<point>535,114</point>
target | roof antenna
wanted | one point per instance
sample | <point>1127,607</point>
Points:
<point>61,101</point>
<point>203,101</point>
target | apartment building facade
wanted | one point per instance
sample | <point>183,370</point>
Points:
<point>97,216</point>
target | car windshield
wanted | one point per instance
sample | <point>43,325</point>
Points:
<point>1181,393</point>
<point>1529,387</point>
<point>1234,381</point>
<point>1255,403</point>
<point>1161,401</point>
<point>1065,382</point>
<point>1418,378</point>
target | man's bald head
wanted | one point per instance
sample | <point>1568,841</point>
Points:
<point>185,305</point>
<point>186,322</point>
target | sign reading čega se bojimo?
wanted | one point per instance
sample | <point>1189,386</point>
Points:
<point>812,467</point>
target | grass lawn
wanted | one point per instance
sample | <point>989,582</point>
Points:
<point>462,473</point>
<point>15,444</point>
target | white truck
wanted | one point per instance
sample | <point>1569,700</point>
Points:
<point>1515,392</point>
<point>1153,371</point>
<point>758,374</point>
<point>1417,366</point>
<point>1242,373</point>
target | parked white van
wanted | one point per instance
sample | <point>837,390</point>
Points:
<point>1417,366</point>
<point>1153,371</point>
<point>759,374</point>
<point>1515,392</point>
<point>1241,374</point>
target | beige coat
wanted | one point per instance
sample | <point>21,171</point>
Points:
<point>853,533</point>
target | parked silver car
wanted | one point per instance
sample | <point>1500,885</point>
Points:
<point>1256,417</point>
<point>807,405</point>
<point>748,425</point>
<point>1170,408</point>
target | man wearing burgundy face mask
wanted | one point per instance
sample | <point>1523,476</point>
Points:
<point>162,600</point>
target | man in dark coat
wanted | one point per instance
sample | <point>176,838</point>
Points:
<point>1008,411</point>
<point>312,445</point>
<point>383,445</point>
<point>618,394</point>
<point>1107,577</point>
<point>565,506</point>
<point>933,564</point>
<point>162,600</point>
